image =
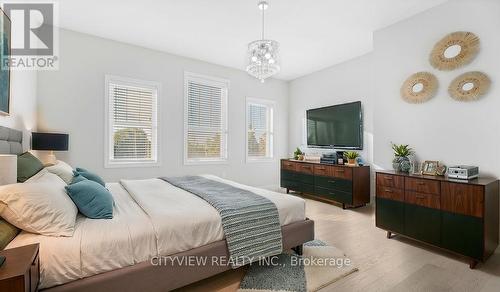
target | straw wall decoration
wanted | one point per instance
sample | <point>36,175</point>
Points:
<point>469,86</point>
<point>419,87</point>
<point>466,45</point>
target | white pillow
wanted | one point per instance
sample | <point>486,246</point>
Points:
<point>40,207</point>
<point>63,170</point>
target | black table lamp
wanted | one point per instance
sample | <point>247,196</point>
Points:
<point>50,142</point>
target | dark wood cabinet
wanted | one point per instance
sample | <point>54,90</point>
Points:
<point>459,216</point>
<point>347,185</point>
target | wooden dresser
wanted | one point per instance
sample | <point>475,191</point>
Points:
<point>347,185</point>
<point>459,216</point>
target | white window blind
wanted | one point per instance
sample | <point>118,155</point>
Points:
<point>132,121</point>
<point>259,129</point>
<point>205,119</point>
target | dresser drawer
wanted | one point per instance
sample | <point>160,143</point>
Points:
<point>462,199</point>
<point>392,181</point>
<point>423,199</point>
<point>322,170</point>
<point>338,196</point>
<point>390,193</point>
<point>305,168</point>
<point>422,186</point>
<point>333,183</point>
<point>341,172</point>
<point>288,165</point>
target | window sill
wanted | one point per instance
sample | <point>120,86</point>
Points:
<point>131,164</point>
<point>258,160</point>
<point>205,162</point>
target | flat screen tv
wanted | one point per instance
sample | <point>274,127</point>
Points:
<point>338,126</point>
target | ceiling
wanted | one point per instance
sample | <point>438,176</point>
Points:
<point>312,34</point>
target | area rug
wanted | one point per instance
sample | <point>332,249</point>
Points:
<point>432,278</point>
<point>319,266</point>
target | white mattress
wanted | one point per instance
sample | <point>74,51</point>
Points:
<point>152,218</point>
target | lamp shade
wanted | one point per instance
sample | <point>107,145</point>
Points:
<point>49,141</point>
<point>8,169</point>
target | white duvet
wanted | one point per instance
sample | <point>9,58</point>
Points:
<point>151,217</point>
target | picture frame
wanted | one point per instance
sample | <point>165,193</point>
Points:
<point>430,167</point>
<point>5,73</point>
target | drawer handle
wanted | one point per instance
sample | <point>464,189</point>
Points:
<point>306,167</point>
<point>388,178</point>
<point>330,193</point>
<point>320,168</point>
<point>331,181</point>
<point>388,191</point>
<point>420,183</point>
<point>340,170</point>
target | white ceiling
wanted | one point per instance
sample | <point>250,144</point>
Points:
<point>313,34</point>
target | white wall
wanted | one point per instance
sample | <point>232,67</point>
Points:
<point>346,82</point>
<point>72,100</point>
<point>22,104</point>
<point>442,128</point>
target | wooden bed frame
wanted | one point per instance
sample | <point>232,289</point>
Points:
<point>170,275</point>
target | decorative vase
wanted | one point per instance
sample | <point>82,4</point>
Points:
<point>401,164</point>
<point>301,157</point>
<point>351,161</point>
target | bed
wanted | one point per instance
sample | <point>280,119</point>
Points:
<point>154,222</point>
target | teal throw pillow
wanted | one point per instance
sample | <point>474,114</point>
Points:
<point>92,200</point>
<point>77,178</point>
<point>91,176</point>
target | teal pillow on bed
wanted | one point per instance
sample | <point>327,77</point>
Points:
<point>77,178</point>
<point>92,200</point>
<point>91,176</point>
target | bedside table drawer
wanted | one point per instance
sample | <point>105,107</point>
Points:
<point>422,186</point>
<point>34,274</point>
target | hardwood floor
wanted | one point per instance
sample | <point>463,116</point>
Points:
<point>382,262</point>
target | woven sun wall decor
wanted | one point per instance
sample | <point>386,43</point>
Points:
<point>419,87</point>
<point>465,46</point>
<point>469,86</point>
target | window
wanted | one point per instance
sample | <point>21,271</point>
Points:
<point>205,119</point>
<point>131,122</point>
<point>259,129</point>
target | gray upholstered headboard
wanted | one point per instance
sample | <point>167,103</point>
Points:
<point>11,141</point>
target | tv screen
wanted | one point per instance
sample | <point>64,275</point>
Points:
<point>339,126</point>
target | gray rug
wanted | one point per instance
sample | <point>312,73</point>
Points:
<point>432,278</point>
<point>319,266</point>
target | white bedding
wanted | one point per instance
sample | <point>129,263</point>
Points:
<point>151,217</point>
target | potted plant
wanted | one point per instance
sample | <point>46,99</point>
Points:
<point>298,154</point>
<point>351,157</point>
<point>401,161</point>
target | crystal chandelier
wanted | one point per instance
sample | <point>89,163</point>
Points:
<point>263,54</point>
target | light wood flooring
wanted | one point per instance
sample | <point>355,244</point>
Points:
<point>382,262</point>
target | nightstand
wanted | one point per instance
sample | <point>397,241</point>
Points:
<point>21,270</point>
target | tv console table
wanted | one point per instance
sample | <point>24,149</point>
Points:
<point>348,185</point>
<point>458,216</point>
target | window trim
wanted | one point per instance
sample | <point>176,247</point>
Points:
<point>271,104</point>
<point>212,81</point>
<point>108,144</point>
